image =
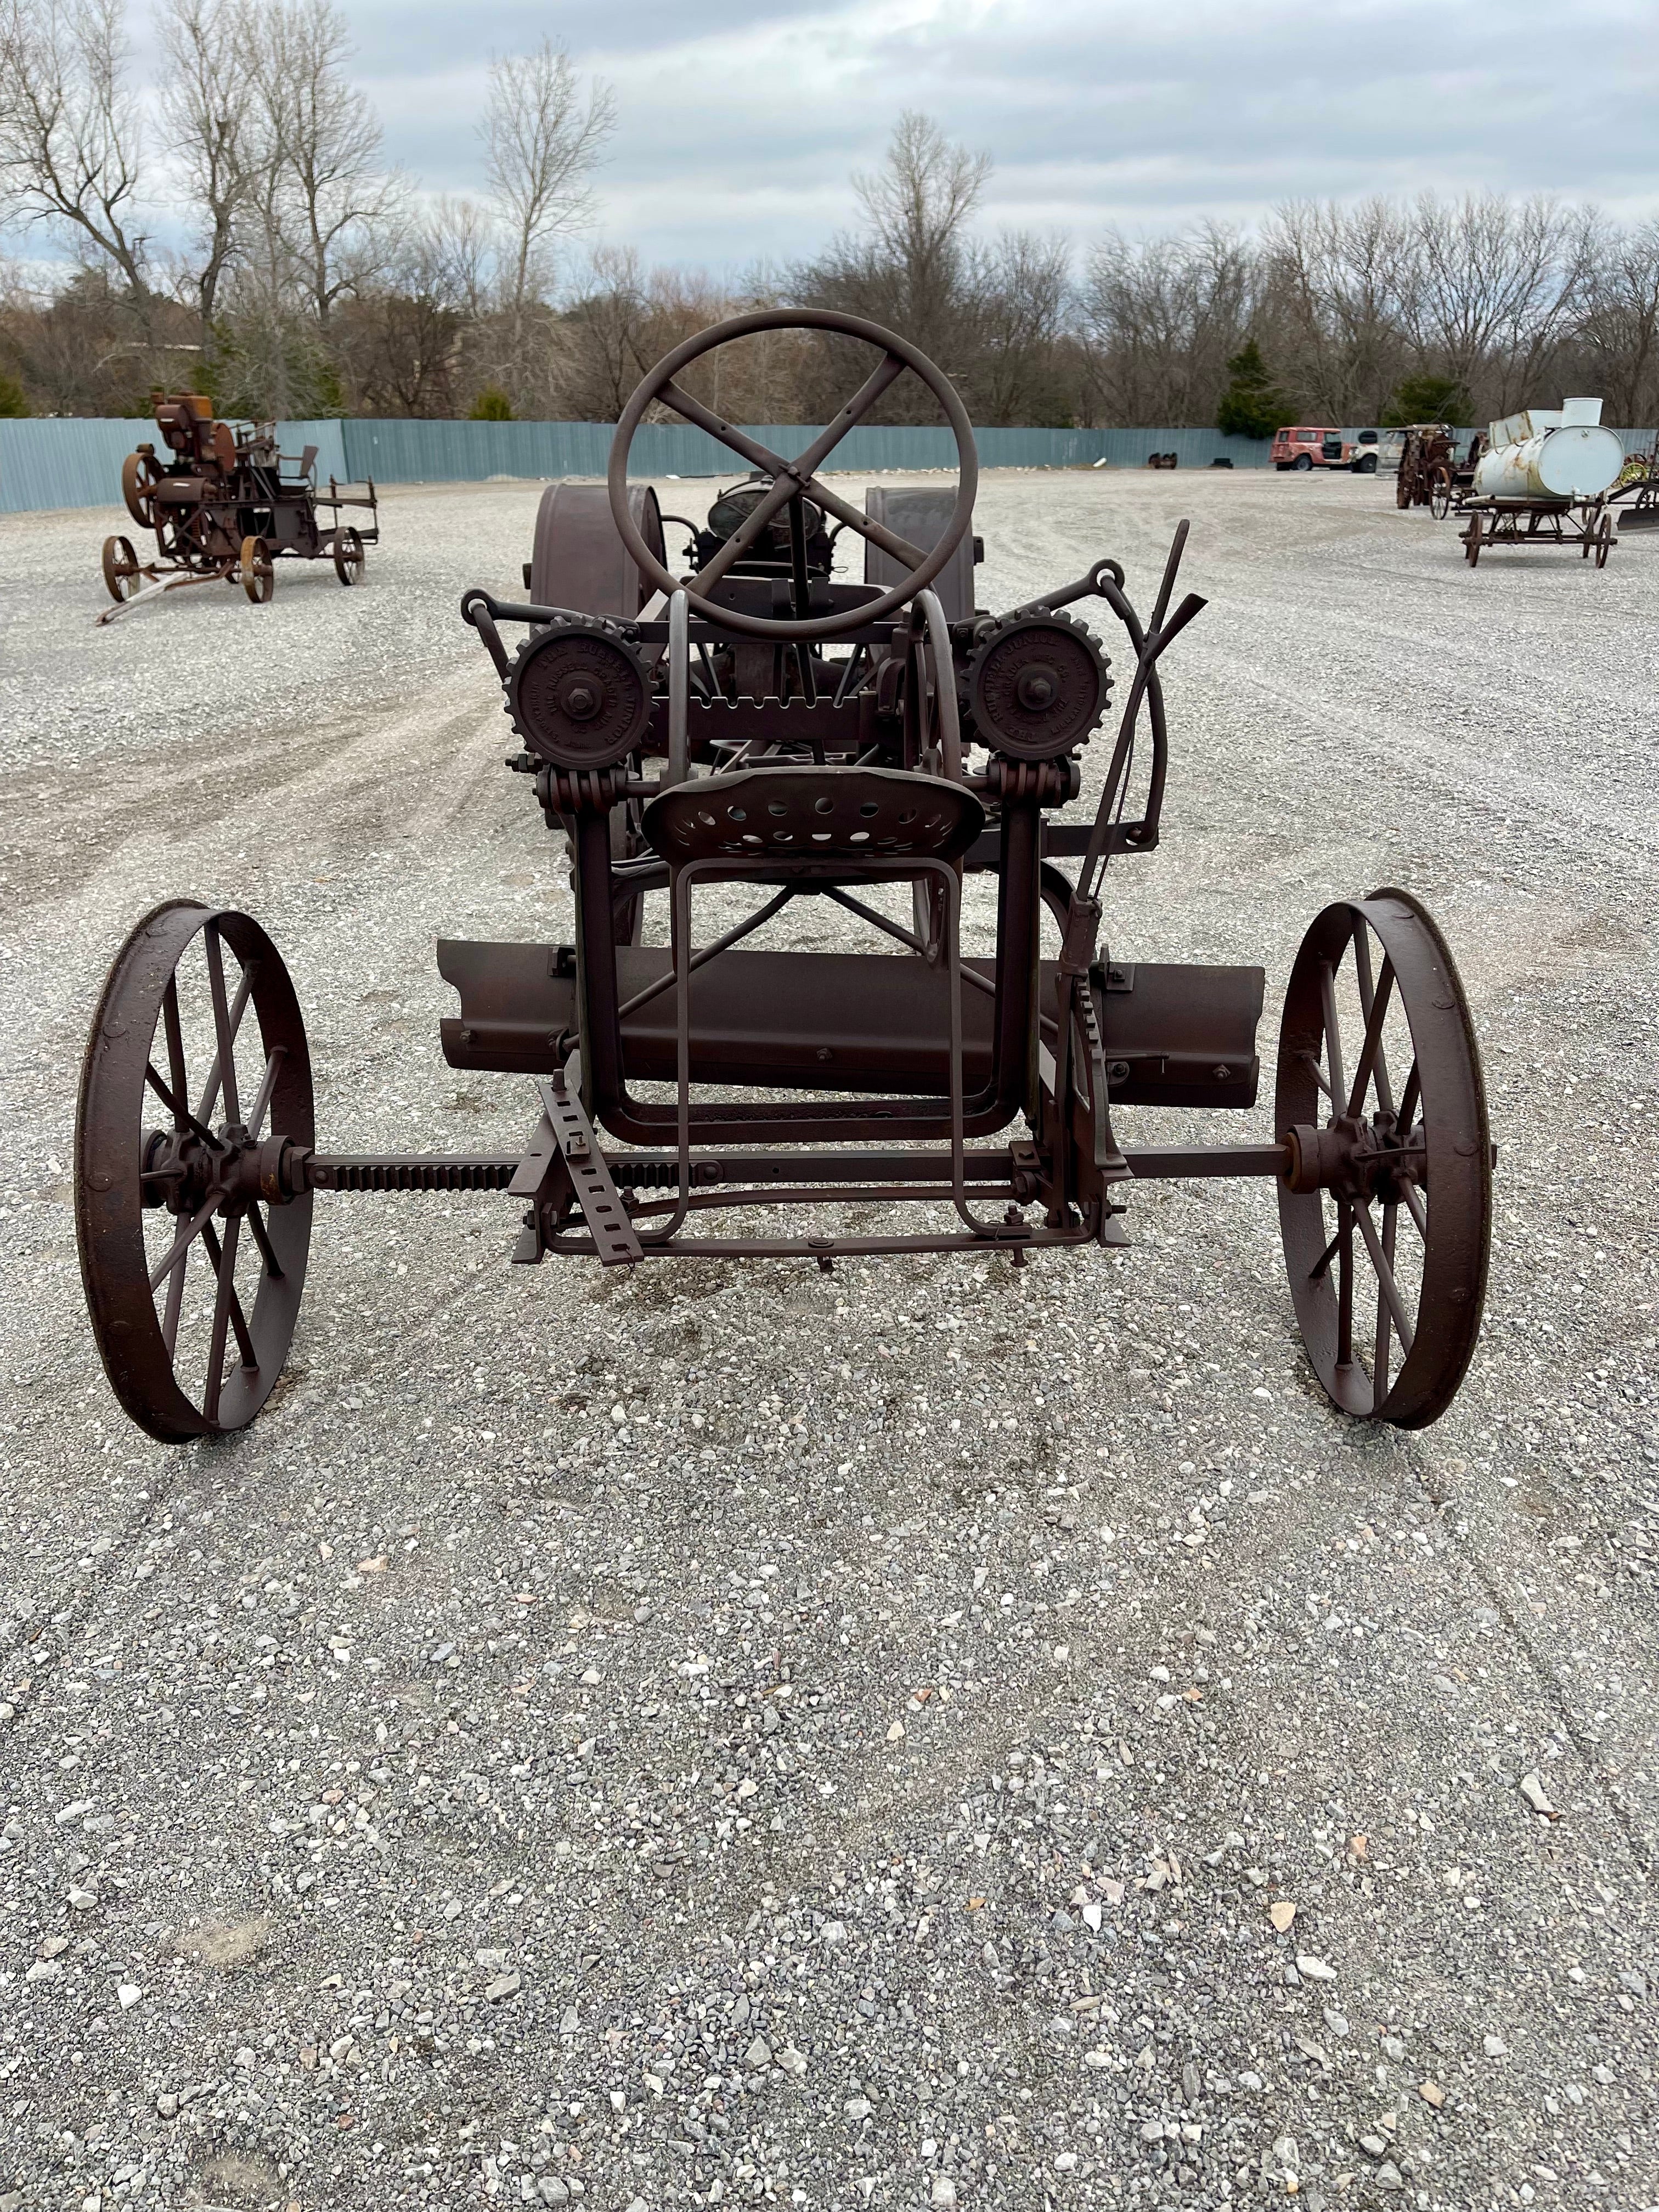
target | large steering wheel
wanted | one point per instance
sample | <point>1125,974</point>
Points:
<point>796,480</point>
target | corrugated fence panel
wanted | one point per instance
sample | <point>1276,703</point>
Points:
<point>61,462</point>
<point>64,461</point>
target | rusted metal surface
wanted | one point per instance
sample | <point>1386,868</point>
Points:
<point>1519,523</point>
<point>224,505</point>
<point>762,725</point>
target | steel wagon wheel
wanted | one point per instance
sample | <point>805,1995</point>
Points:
<point>348,555</point>
<point>120,570</point>
<point>140,474</point>
<point>1385,1208</point>
<point>192,1254</point>
<point>1605,541</point>
<point>1440,494</point>
<point>257,570</point>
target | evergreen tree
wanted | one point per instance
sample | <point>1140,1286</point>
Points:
<point>1252,406</point>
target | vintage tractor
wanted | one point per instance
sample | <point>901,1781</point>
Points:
<point>226,506</point>
<point>763,738</point>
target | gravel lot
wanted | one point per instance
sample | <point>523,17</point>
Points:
<point>681,1738</point>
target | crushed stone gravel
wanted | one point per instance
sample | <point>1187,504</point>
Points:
<point>927,1735</point>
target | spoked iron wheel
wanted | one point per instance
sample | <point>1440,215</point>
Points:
<point>347,555</point>
<point>1385,1208</point>
<point>1440,495</point>
<point>1604,541</point>
<point>193,1244</point>
<point>121,577</point>
<point>140,474</point>
<point>257,570</point>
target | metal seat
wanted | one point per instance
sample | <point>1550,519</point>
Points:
<point>806,821</point>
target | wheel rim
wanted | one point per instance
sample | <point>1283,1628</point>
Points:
<point>193,1259</point>
<point>120,568</point>
<point>1381,1099</point>
<point>139,478</point>
<point>347,555</point>
<point>258,581</point>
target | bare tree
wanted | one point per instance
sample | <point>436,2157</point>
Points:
<point>543,132</point>
<point>325,193</point>
<point>1020,287</point>
<point>207,102</point>
<point>1619,331</point>
<point>69,130</point>
<point>1162,316</point>
<point>1495,286</point>
<point>1333,279</point>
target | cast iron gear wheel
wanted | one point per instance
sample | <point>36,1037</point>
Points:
<point>580,692</point>
<point>1037,686</point>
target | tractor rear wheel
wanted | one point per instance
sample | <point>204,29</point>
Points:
<point>193,1223</point>
<point>1386,1206</point>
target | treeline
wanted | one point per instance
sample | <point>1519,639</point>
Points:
<point>310,278</point>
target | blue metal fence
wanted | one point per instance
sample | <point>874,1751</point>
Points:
<point>59,462</point>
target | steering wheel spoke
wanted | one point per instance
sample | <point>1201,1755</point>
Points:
<point>795,479</point>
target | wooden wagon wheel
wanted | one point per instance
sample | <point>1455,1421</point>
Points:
<point>120,568</point>
<point>257,570</point>
<point>1386,1209</point>
<point>348,555</point>
<point>179,1162</point>
<point>139,477</point>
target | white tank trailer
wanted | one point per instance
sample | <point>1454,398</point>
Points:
<point>1550,453</point>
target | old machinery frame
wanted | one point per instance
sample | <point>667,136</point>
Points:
<point>225,506</point>
<point>756,740</point>
<point>1519,523</point>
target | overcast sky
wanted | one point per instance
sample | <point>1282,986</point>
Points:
<point>740,120</point>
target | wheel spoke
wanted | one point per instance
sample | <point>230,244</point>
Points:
<point>1390,1288</point>
<point>238,1009</point>
<point>1345,1285</point>
<point>1380,1359</point>
<point>889,541</point>
<point>1408,1101</point>
<point>175,1036</point>
<point>183,1241</point>
<point>1312,1061</point>
<point>267,1084</point>
<point>1415,1207</point>
<point>1332,1028</point>
<point>1374,1002</point>
<point>227,1313</point>
<point>1321,1264</point>
<point>175,1302</point>
<point>261,1236</point>
<point>222,1076</point>
<point>182,1117</point>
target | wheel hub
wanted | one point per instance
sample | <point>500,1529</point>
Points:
<point>183,1173</point>
<point>1362,1161</point>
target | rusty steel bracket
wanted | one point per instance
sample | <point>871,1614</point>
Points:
<point>565,1150</point>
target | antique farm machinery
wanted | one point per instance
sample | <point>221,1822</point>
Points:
<point>226,506</point>
<point>759,735</point>
<point>1635,493</point>
<point>1544,481</point>
<point>1432,473</point>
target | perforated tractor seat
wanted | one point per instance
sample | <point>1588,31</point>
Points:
<point>813,821</point>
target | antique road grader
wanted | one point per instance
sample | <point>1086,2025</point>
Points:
<point>223,510</point>
<point>760,732</point>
